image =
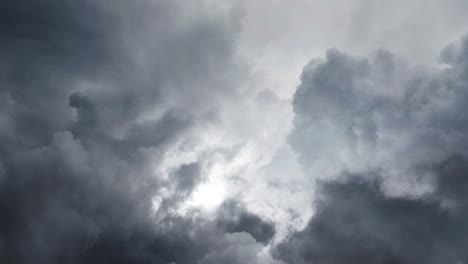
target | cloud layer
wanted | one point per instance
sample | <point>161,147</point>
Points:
<point>140,132</point>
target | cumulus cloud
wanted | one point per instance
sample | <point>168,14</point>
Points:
<point>386,142</point>
<point>379,114</point>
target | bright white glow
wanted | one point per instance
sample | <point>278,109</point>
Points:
<point>220,173</point>
<point>208,195</point>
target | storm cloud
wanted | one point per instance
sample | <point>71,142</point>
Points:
<point>171,132</point>
<point>355,223</point>
<point>386,142</point>
<point>94,94</point>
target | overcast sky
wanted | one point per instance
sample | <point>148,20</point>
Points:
<point>237,132</point>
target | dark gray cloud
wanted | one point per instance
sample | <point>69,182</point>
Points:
<point>234,218</point>
<point>112,114</point>
<point>356,223</point>
<point>92,94</point>
<point>386,142</point>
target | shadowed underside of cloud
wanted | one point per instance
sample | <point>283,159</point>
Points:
<point>386,141</point>
<point>356,223</point>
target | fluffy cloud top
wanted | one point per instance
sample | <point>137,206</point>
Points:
<point>387,142</point>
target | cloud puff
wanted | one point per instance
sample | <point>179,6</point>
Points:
<point>386,142</point>
<point>379,114</point>
<point>234,218</point>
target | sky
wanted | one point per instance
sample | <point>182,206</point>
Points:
<point>237,132</point>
